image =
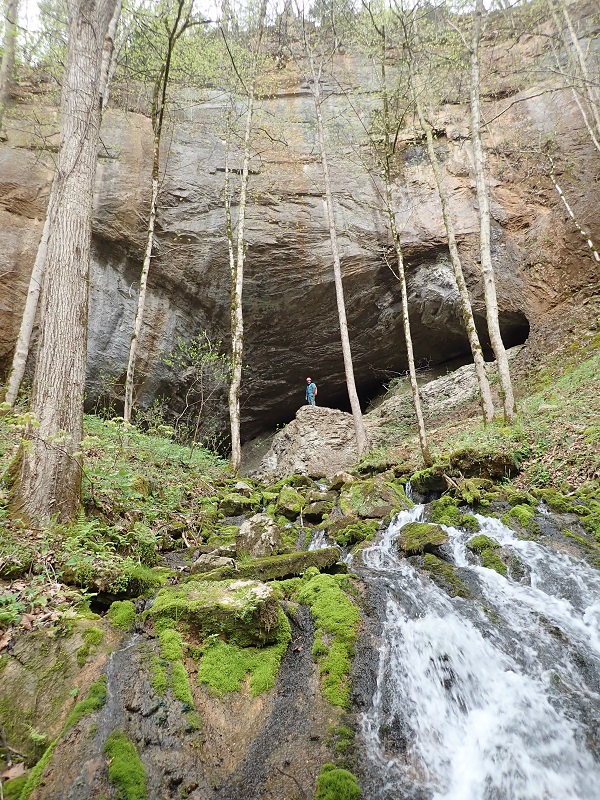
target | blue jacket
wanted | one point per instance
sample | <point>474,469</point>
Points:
<point>310,390</point>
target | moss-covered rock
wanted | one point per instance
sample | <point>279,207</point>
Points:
<point>316,511</point>
<point>373,498</point>
<point>336,620</point>
<point>356,532</point>
<point>467,462</point>
<point>520,518</point>
<point>243,611</point>
<point>224,666</point>
<point>554,500</point>
<point>289,502</point>
<point>445,575</point>
<point>421,537</point>
<point>234,504</point>
<point>259,537</point>
<point>282,566</point>
<point>122,614</point>
<point>486,548</point>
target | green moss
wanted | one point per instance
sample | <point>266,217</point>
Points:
<point>272,568</point>
<point>444,575</point>
<point>122,614</point>
<point>125,771</point>
<point>158,676</point>
<point>13,789</point>
<point>554,500</point>
<point>171,645</point>
<point>491,560</point>
<point>336,784</point>
<point>337,616</point>
<point>92,638</point>
<point>520,515</point>
<point>289,502</point>
<point>419,537</point>
<point>482,542</point>
<point>181,684</point>
<point>224,666</point>
<point>373,498</point>
<point>95,699</point>
<point>445,511</point>
<point>356,532</point>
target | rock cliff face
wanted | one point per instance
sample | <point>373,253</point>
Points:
<point>289,300</point>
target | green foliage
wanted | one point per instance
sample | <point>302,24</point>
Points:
<point>122,614</point>
<point>125,769</point>
<point>336,784</point>
<point>14,788</point>
<point>224,666</point>
<point>337,618</point>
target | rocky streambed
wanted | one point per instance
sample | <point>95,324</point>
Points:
<point>262,668</point>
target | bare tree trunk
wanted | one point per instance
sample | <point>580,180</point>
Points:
<point>7,67</point>
<point>21,353</point>
<point>485,251</point>
<point>31,303</point>
<point>359,425</point>
<point>386,168</point>
<point>158,114</point>
<point>585,75</point>
<point>50,478</point>
<point>237,274</point>
<point>485,393</point>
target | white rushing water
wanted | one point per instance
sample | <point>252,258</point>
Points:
<point>494,697</point>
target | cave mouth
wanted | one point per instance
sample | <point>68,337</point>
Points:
<point>514,327</point>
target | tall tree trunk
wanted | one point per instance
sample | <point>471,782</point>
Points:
<point>588,85</point>
<point>386,169</point>
<point>485,393</point>
<point>7,67</point>
<point>158,115</point>
<point>237,274</point>
<point>359,425</point>
<point>50,478</point>
<point>21,353</point>
<point>485,251</point>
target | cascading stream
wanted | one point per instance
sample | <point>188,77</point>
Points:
<point>495,697</point>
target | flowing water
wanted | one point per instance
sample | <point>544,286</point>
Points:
<point>494,697</point>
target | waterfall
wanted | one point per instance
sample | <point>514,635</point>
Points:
<point>494,697</point>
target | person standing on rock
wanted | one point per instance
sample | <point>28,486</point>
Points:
<point>311,392</point>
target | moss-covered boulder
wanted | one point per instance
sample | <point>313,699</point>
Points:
<point>486,548</point>
<point>356,532</point>
<point>289,503</point>
<point>234,504</point>
<point>373,498</point>
<point>340,479</point>
<point>258,537</point>
<point>520,518</point>
<point>38,679</point>
<point>446,511</point>
<point>421,537</point>
<point>318,510</point>
<point>467,462</point>
<point>243,611</point>
<point>288,565</point>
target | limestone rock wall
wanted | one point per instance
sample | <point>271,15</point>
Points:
<point>289,300</point>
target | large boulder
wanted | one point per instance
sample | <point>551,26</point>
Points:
<point>258,537</point>
<point>287,565</point>
<point>208,561</point>
<point>242,611</point>
<point>373,498</point>
<point>421,537</point>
